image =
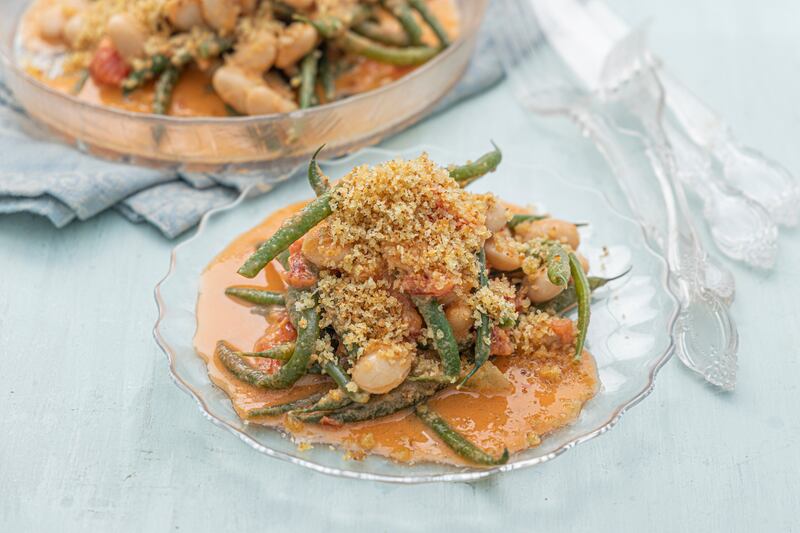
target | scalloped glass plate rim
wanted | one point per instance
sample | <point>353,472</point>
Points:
<point>463,476</point>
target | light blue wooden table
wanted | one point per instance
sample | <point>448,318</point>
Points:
<point>95,437</point>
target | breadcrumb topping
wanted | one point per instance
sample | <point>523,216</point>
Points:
<point>496,300</point>
<point>413,218</point>
<point>535,337</point>
<point>360,311</point>
<point>323,350</point>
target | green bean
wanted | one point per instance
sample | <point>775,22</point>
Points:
<point>402,12</point>
<point>327,78</point>
<point>457,442</point>
<point>333,28</point>
<point>333,399</point>
<point>583,293</point>
<point>317,180</point>
<point>212,47</point>
<point>431,20</point>
<point>516,220</point>
<point>306,322</point>
<point>285,377</point>
<point>406,395</point>
<point>309,67</point>
<point>282,352</point>
<point>256,296</point>
<point>375,32</point>
<point>340,377</point>
<point>405,57</point>
<point>291,230</point>
<point>466,174</point>
<point>154,66</point>
<point>328,27</point>
<point>275,410</point>
<point>483,335</point>
<point>443,338</point>
<point>557,262</point>
<point>165,87</point>
<point>358,14</point>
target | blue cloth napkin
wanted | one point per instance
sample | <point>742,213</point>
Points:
<point>40,175</point>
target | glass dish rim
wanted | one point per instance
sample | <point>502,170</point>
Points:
<point>9,62</point>
<point>463,476</point>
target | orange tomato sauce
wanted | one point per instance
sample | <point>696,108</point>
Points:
<point>515,418</point>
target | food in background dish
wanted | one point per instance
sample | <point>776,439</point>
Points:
<point>401,315</point>
<point>229,57</point>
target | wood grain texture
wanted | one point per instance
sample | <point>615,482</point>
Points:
<point>95,437</point>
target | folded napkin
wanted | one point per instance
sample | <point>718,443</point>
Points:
<point>40,175</point>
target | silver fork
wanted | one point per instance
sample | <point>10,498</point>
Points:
<point>706,337</point>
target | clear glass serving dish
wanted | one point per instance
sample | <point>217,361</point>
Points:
<point>629,334</point>
<point>240,143</point>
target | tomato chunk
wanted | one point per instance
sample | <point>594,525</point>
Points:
<point>107,66</point>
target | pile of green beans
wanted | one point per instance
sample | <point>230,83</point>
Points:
<point>359,35</point>
<point>319,209</point>
<point>356,32</point>
<point>344,403</point>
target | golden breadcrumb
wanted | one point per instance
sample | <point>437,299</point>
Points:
<point>496,300</point>
<point>534,337</point>
<point>413,218</point>
<point>360,311</point>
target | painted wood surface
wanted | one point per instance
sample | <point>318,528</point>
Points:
<point>95,437</point>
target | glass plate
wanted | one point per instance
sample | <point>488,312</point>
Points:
<point>629,333</point>
<point>240,143</point>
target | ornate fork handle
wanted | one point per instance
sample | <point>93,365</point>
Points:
<point>632,91</point>
<point>758,177</point>
<point>706,336</point>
